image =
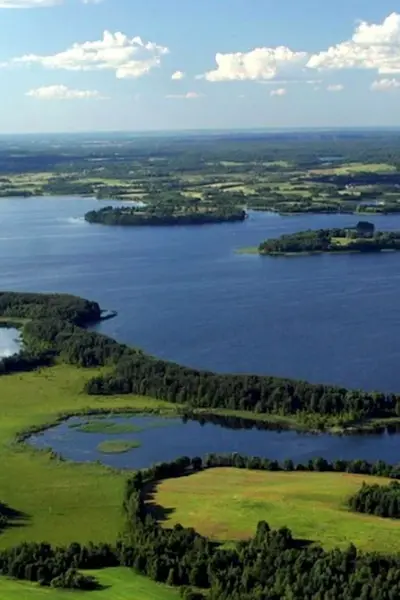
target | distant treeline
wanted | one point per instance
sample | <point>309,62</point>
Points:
<point>380,500</point>
<point>323,240</point>
<point>134,216</point>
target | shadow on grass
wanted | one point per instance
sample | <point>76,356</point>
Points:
<point>160,513</point>
<point>10,517</point>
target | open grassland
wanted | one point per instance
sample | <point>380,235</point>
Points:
<point>59,502</point>
<point>117,584</point>
<point>226,504</point>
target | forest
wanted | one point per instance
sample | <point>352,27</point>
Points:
<point>379,500</point>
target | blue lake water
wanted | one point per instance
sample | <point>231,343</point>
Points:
<point>183,293</point>
<point>163,440</point>
<point>9,341</point>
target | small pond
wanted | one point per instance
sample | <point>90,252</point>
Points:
<point>151,439</point>
<point>10,342</point>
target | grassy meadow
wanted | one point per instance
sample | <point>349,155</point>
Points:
<point>59,501</point>
<point>118,584</point>
<point>226,504</point>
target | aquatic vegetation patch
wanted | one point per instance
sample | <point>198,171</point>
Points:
<point>117,446</point>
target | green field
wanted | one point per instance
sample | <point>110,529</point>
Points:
<point>226,504</point>
<point>59,502</point>
<point>118,584</point>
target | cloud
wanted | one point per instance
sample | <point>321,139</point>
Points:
<point>385,85</point>
<point>335,87</point>
<point>278,92</point>
<point>62,92</point>
<point>187,96</point>
<point>178,75</point>
<point>127,57</point>
<point>257,65</point>
<point>372,46</point>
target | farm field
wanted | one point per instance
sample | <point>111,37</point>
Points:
<point>226,504</point>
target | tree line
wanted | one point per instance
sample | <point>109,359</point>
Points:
<point>144,375</point>
<point>379,500</point>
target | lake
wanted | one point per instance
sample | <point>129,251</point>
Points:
<point>183,293</point>
<point>163,440</point>
<point>9,341</point>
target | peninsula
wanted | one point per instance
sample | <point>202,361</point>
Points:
<point>360,238</point>
<point>136,216</point>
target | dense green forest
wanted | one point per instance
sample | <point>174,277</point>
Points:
<point>379,500</point>
<point>163,215</point>
<point>330,240</point>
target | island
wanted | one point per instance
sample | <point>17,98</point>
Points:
<point>359,238</point>
<point>135,216</point>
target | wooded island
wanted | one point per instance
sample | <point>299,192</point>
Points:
<point>134,216</point>
<point>361,238</point>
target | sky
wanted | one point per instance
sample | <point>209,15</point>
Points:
<point>151,65</point>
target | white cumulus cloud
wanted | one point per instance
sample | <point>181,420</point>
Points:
<point>127,57</point>
<point>385,85</point>
<point>335,87</point>
<point>257,65</point>
<point>178,75</point>
<point>62,92</point>
<point>278,92</point>
<point>372,46</point>
<point>187,96</point>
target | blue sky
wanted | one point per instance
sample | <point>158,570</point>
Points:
<point>187,64</point>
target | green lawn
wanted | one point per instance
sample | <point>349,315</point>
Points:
<point>62,502</point>
<point>119,584</point>
<point>226,504</point>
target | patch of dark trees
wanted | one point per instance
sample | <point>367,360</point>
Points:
<point>379,500</point>
<point>323,240</point>
<point>358,179</point>
<point>64,307</point>
<point>163,216</point>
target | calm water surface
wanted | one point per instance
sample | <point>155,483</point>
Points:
<point>164,440</point>
<point>9,341</point>
<point>183,294</point>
